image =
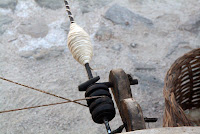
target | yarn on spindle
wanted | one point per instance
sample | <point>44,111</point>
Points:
<point>79,44</point>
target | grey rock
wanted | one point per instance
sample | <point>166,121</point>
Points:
<point>136,1</point>
<point>65,26</point>
<point>123,16</point>
<point>148,81</point>
<point>192,25</point>
<point>53,52</point>
<point>133,45</point>
<point>179,48</point>
<point>27,54</point>
<point>8,4</point>
<point>36,28</point>
<point>167,22</point>
<point>117,47</point>
<point>4,20</point>
<point>104,33</point>
<point>89,5</point>
<point>2,31</point>
<point>51,4</point>
<point>43,53</point>
<point>144,67</point>
<point>172,50</point>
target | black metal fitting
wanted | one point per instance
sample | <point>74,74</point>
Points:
<point>85,85</point>
<point>119,129</point>
<point>131,80</point>
<point>150,119</point>
<point>100,108</point>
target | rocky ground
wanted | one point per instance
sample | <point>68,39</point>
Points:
<point>144,37</point>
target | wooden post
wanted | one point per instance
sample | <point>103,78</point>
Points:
<point>130,111</point>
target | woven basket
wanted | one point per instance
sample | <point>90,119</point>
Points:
<point>182,91</point>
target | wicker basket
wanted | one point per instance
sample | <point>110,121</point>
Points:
<point>182,91</point>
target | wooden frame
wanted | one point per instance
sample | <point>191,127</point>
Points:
<point>130,111</point>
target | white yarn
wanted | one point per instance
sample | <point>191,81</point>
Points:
<point>79,44</point>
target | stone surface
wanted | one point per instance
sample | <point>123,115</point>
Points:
<point>4,20</point>
<point>65,26</point>
<point>51,4</point>
<point>38,56</point>
<point>104,33</point>
<point>43,53</point>
<point>133,45</point>
<point>117,47</point>
<point>36,28</point>
<point>144,67</point>
<point>90,5</point>
<point>149,82</point>
<point>123,16</point>
<point>8,4</point>
<point>179,47</point>
<point>167,22</point>
<point>192,25</point>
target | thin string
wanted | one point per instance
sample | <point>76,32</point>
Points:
<point>79,41</point>
<point>39,90</point>
<point>69,12</point>
<point>52,104</point>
